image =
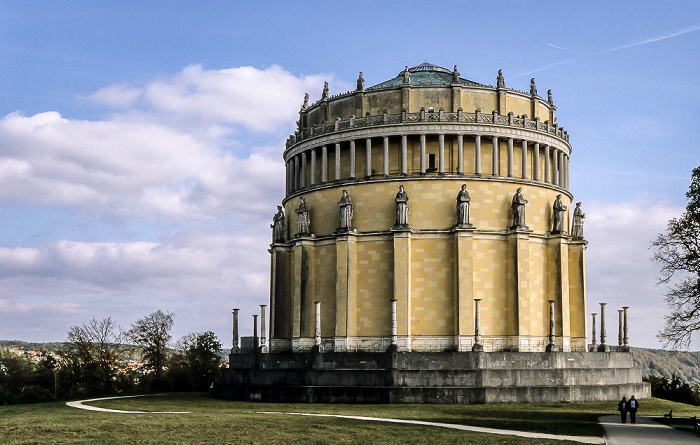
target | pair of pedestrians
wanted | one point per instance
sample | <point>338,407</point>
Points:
<point>628,406</point>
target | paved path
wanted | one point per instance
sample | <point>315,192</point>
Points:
<point>79,404</point>
<point>645,431</point>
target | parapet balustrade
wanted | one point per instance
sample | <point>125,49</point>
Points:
<point>430,116</point>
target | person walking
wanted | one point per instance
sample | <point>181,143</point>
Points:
<point>633,406</point>
<point>623,407</point>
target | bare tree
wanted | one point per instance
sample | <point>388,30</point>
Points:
<point>152,334</point>
<point>678,252</point>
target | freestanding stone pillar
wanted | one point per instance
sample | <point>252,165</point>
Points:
<point>394,328</point>
<point>234,344</point>
<point>263,342</point>
<point>594,334</point>
<point>256,341</point>
<point>625,338</point>
<point>477,326</point>
<point>317,330</point>
<point>619,327</point>
<point>551,347</point>
<point>603,347</point>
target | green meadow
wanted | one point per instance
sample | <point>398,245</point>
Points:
<point>213,421</point>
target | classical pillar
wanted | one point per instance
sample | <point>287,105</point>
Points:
<point>551,347</point>
<point>313,167</point>
<point>337,162</point>
<point>422,154</point>
<point>547,173</point>
<point>536,162</point>
<point>510,157</point>
<point>263,342</point>
<point>317,330</point>
<point>385,156</point>
<point>324,164</point>
<point>394,327</point>
<point>594,339</point>
<point>303,170</point>
<point>404,154</point>
<point>566,172</point>
<point>296,174</point>
<point>477,326</point>
<point>494,157</point>
<point>460,154</point>
<point>524,159</point>
<point>352,159</point>
<point>256,341</point>
<point>555,173</point>
<point>477,155</point>
<point>368,157</point>
<point>561,168</point>
<point>234,344</point>
<point>603,336</point>
<point>287,178</point>
<point>625,338</point>
<point>441,154</point>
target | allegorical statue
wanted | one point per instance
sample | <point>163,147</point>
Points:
<point>360,83</point>
<point>500,81</point>
<point>401,207</point>
<point>278,229</point>
<point>558,212</point>
<point>533,87</point>
<point>517,209</point>
<point>406,75</point>
<point>324,94</point>
<point>463,200</point>
<point>303,221</point>
<point>577,224</point>
<point>345,205</point>
<point>305,105</point>
<point>455,75</point>
<point>549,97</point>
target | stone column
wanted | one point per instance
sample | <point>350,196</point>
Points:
<point>337,162</point>
<point>296,174</point>
<point>234,344</point>
<point>547,169</point>
<point>303,170</point>
<point>603,347</point>
<point>619,327</point>
<point>566,172</point>
<point>477,326</point>
<point>625,338</point>
<point>441,154</point>
<point>287,178</point>
<point>536,161</point>
<point>263,339</point>
<point>552,346</point>
<point>368,157</point>
<point>510,157</point>
<point>317,330</point>
<point>385,156</point>
<point>422,154</point>
<point>494,160</point>
<point>324,164</point>
<point>477,155</point>
<point>404,154</point>
<point>460,154</point>
<point>256,341</point>
<point>524,159</point>
<point>313,167</point>
<point>394,346</point>
<point>561,169</point>
<point>555,173</point>
<point>594,339</point>
<point>352,159</point>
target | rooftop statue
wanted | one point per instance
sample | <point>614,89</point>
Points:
<point>549,97</point>
<point>455,75</point>
<point>360,83</point>
<point>303,221</point>
<point>305,105</point>
<point>558,209</point>
<point>324,94</point>
<point>346,213</point>
<point>577,224</point>
<point>500,81</point>
<point>278,229</point>
<point>406,76</point>
<point>517,209</point>
<point>401,207</point>
<point>533,87</point>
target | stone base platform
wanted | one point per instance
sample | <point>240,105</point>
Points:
<point>431,377</point>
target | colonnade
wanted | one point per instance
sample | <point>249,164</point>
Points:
<point>301,168</point>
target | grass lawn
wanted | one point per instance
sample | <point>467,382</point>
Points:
<point>220,421</point>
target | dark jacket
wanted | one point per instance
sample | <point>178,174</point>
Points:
<point>623,406</point>
<point>630,403</point>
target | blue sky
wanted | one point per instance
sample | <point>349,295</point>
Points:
<point>140,142</point>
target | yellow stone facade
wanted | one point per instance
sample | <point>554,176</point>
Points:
<point>431,135</point>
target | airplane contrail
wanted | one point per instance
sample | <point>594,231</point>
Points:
<point>656,39</point>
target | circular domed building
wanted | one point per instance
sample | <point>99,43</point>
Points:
<point>427,249</point>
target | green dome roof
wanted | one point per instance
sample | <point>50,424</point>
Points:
<point>424,74</point>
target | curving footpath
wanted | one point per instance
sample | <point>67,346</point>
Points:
<point>79,404</point>
<point>645,432</point>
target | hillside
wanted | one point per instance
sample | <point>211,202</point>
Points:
<point>683,364</point>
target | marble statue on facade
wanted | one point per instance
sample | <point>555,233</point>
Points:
<point>346,214</point>
<point>533,87</point>
<point>278,229</point>
<point>549,97</point>
<point>303,221</point>
<point>463,200</point>
<point>324,94</point>
<point>518,210</point>
<point>360,83</point>
<point>577,224</point>
<point>402,208</point>
<point>305,105</point>
<point>558,212</point>
<point>500,81</point>
<point>406,76</point>
<point>455,75</point>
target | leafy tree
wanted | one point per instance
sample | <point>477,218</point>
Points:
<point>678,252</point>
<point>152,333</point>
<point>197,362</point>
